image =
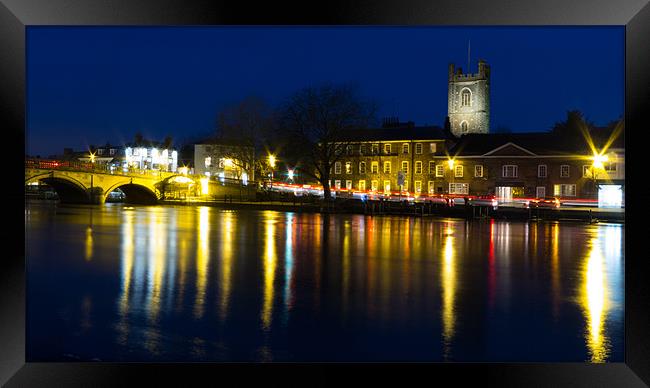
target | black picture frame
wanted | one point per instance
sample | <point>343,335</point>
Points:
<point>633,14</point>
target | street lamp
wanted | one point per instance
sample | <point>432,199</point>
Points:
<point>597,165</point>
<point>92,159</point>
<point>451,162</point>
<point>272,164</point>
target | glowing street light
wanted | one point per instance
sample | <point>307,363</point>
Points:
<point>599,160</point>
<point>597,165</point>
<point>272,164</point>
<point>290,174</point>
<point>451,163</point>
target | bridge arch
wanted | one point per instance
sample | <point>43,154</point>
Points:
<point>68,189</point>
<point>134,193</point>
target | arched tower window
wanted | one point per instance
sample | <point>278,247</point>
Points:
<point>465,97</point>
<point>463,127</point>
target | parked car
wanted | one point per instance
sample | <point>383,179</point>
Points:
<point>485,200</point>
<point>546,202</point>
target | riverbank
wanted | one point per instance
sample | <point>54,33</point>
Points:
<point>590,215</point>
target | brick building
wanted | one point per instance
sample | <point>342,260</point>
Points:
<point>374,157</point>
<point>529,165</point>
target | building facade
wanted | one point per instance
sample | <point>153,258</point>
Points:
<point>216,159</point>
<point>396,157</point>
<point>529,165</point>
<point>469,100</point>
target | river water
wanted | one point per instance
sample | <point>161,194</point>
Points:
<point>165,283</point>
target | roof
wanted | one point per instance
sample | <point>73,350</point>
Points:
<point>396,133</point>
<point>535,143</point>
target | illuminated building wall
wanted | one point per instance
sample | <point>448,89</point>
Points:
<point>150,158</point>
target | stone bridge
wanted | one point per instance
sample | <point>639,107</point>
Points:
<point>80,184</point>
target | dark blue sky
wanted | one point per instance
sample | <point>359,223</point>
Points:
<point>90,85</point>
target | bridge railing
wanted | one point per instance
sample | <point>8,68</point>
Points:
<point>72,165</point>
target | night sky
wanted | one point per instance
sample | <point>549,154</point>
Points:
<point>92,85</point>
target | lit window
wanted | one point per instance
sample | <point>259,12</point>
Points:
<point>564,171</point>
<point>362,185</point>
<point>466,97</point>
<point>374,167</point>
<point>458,188</point>
<point>362,167</point>
<point>375,149</point>
<point>440,170</point>
<point>405,148</point>
<point>418,148</point>
<point>586,171</point>
<point>405,186</point>
<point>337,184</point>
<point>418,167</point>
<point>432,167</point>
<point>387,187</point>
<point>458,171</point>
<point>405,167</point>
<point>386,167</point>
<point>432,148</point>
<point>564,190</point>
<point>509,171</point>
<point>387,148</point>
<point>348,185</point>
<point>208,161</point>
<point>111,151</point>
<point>374,185</point>
<point>541,171</point>
<point>348,167</point>
<point>431,187</point>
<point>418,186</point>
<point>478,171</point>
<point>337,168</point>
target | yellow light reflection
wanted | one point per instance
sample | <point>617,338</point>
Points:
<point>270,258</point>
<point>89,243</point>
<point>157,254</point>
<point>226,262</point>
<point>448,295</point>
<point>202,260</point>
<point>345,289</point>
<point>127,259</point>
<point>594,301</point>
<point>555,270</point>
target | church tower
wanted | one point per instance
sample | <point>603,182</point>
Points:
<point>469,100</point>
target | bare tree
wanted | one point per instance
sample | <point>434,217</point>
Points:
<point>315,121</point>
<point>244,126</point>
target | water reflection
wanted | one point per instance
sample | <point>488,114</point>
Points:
<point>556,291</point>
<point>202,260</point>
<point>594,302</point>
<point>227,253</point>
<point>89,243</point>
<point>270,258</point>
<point>448,274</point>
<point>127,260</point>
<point>343,287</point>
<point>289,247</point>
